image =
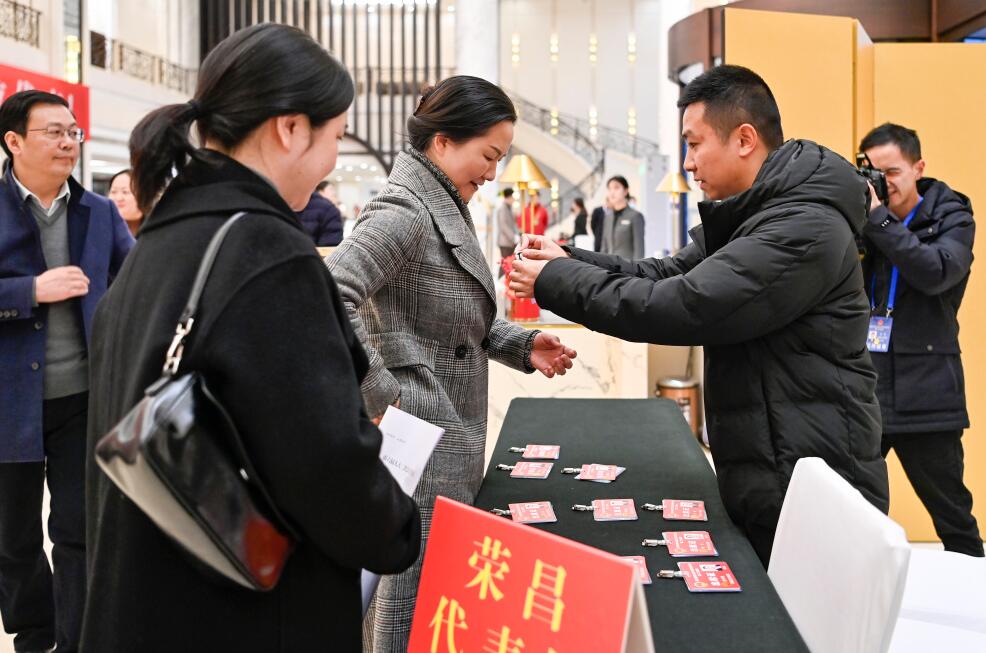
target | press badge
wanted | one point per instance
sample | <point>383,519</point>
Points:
<point>878,337</point>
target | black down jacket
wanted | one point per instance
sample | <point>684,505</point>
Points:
<point>771,286</point>
<point>922,386</point>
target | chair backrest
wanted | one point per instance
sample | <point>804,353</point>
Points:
<point>838,563</point>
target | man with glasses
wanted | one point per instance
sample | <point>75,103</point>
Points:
<point>60,246</point>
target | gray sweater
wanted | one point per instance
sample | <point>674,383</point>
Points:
<point>66,369</point>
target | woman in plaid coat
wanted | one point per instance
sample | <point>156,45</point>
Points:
<point>421,298</point>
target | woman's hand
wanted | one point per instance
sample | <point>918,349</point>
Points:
<point>376,420</point>
<point>549,356</point>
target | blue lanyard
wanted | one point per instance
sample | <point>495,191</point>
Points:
<point>895,274</point>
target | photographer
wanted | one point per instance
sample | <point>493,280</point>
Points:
<point>918,251</point>
<point>770,285</point>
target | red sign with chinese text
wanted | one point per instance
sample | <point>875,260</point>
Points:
<point>13,80</point>
<point>490,585</point>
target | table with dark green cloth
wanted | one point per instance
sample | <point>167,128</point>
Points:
<point>664,461</point>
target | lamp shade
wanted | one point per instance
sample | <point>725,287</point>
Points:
<point>673,182</point>
<point>521,169</point>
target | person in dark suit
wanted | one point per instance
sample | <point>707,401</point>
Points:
<point>596,225</point>
<point>60,247</point>
<point>321,219</point>
<point>275,343</point>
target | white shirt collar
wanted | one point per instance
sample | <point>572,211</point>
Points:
<point>65,193</point>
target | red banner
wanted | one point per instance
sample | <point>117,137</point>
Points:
<point>490,585</point>
<point>14,80</point>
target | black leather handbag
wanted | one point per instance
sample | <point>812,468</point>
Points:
<point>178,455</point>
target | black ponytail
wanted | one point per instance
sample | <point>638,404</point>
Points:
<point>257,73</point>
<point>158,144</point>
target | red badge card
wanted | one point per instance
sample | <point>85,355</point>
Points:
<point>614,510</point>
<point>542,451</point>
<point>684,544</point>
<point>594,472</point>
<point>641,565</point>
<point>531,470</point>
<point>537,512</point>
<point>709,577</point>
<point>677,509</point>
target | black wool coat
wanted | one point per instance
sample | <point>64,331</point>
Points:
<point>274,342</point>
<point>921,382</point>
<point>771,286</point>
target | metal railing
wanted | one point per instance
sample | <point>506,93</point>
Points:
<point>567,130</point>
<point>20,23</point>
<point>134,62</point>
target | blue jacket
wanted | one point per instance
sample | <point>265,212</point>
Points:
<point>98,242</point>
<point>322,221</point>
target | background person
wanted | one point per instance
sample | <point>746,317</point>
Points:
<point>321,218</point>
<point>60,246</point>
<point>924,238</point>
<point>123,197</point>
<point>506,222</point>
<point>274,342</point>
<point>623,225</point>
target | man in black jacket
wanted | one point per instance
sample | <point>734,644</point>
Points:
<point>918,251</point>
<point>770,285</point>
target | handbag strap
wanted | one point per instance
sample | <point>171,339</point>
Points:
<point>187,319</point>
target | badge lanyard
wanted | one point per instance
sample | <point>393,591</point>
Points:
<point>894,274</point>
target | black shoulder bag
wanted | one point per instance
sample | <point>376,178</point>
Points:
<point>179,457</point>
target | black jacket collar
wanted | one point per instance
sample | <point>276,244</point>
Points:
<point>213,183</point>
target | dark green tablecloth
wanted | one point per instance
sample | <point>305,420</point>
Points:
<point>650,438</point>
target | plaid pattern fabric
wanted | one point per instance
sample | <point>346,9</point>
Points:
<point>421,299</point>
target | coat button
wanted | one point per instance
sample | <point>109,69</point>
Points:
<point>931,230</point>
<point>931,347</point>
<point>460,351</point>
<point>486,343</point>
<point>4,314</point>
<point>35,366</point>
<point>13,313</point>
<point>38,326</point>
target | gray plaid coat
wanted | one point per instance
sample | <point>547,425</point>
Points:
<point>421,299</point>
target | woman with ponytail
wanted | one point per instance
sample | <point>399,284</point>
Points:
<point>275,343</point>
<point>420,293</point>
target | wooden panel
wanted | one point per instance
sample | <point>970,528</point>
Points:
<point>864,72</point>
<point>946,114</point>
<point>815,89</point>
<point>883,19</point>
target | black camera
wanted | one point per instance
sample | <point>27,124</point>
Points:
<point>873,175</point>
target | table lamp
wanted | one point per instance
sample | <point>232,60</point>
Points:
<point>674,183</point>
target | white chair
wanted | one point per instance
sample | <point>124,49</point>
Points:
<point>946,588</point>
<point>838,563</point>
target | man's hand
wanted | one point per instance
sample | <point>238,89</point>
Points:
<point>59,284</point>
<point>539,248</point>
<point>874,200</point>
<point>523,275</point>
<point>550,356</point>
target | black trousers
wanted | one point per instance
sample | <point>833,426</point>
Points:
<point>41,609</point>
<point>934,464</point>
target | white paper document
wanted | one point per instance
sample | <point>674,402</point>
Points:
<point>407,445</point>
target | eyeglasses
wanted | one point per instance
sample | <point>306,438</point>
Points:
<point>76,134</point>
